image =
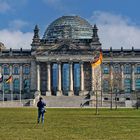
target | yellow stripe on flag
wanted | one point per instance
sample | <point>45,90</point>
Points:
<point>98,61</point>
<point>9,80</point>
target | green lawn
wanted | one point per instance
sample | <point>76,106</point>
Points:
<point>70,124</point>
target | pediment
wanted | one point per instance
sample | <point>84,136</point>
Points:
<point>63,47</point>
<point>66,47</point>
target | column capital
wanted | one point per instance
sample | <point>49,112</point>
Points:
<point>81,62</point>
<point>11,64</point>
<point>20,64</point>
<point>37,62</point>
<point>122,66</point>
<point>48,63</point>
<point>133,64</point>
<point>59,62</point>
<point>70,62</point>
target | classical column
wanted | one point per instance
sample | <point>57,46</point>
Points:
<point>38,93</point>
<point>11,83</point>
<point>48,92</point>
<point>122,77</point>
<point>70,93</point>
<point>92,78</point>
<point>133,77</point>
<point>59,90</point>
<point>20,81</point>
<point>38,77</point>
<point>33,77</point>
<point>81,79</point>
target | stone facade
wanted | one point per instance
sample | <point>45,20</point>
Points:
<point>50,67</point>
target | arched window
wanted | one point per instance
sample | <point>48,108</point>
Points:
<point>127,85</point>
<point>16,69</point>
<point>137,84</point>
<point>6,70</point>
<point>26,69</point>
<point>16,86</point>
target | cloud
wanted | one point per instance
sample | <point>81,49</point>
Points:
<point>17,24</point>
<point>56,4</point>
<point>10,5</point>
<point>16,39</point>
<point>116,30</point>
<point>4,7</point>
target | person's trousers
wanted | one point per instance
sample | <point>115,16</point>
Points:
<point>40,114</point>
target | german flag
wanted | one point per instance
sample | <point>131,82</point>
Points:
<point>98,61</point>
<point>9,79</point>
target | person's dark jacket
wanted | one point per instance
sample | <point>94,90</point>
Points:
<point>41,106</point>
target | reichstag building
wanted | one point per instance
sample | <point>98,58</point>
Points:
<point>59,64</point>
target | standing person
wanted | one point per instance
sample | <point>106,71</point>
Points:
<point>41,110</point>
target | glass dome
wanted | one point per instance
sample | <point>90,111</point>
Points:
<point>69,27</point>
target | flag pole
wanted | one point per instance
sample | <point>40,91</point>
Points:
<point>96,92</point>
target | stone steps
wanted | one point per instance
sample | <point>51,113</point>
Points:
<point>64,101</point>
<point>16,103</point>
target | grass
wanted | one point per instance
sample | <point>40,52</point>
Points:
<point>70,124</point>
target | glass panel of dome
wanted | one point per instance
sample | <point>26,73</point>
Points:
<point>69,27</point>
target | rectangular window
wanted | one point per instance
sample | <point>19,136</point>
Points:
<point>16,70</point>
<point>127,69</point>
<point>105,70</point>
<point>6,70</point>
<point>6,87</point>
<point>106,86</point>
<point>137,84</point>
<point>26,69</point>
<point>116,69</point>
<point>137,70</point>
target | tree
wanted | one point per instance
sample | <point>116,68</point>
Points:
<point>97,84</point>
<point>115,85</point>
